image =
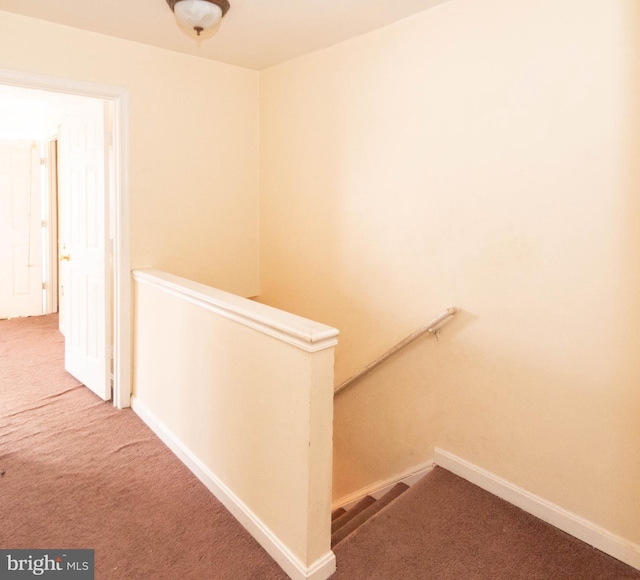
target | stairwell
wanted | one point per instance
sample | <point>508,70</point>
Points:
<point>345,522</point>
<point>445,527</point>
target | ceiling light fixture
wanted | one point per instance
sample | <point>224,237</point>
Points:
<point>199,14</point>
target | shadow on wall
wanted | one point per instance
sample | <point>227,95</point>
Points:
<point>398,406</point>
<point>628,286</point>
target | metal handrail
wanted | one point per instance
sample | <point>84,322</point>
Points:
<point>432,327</point>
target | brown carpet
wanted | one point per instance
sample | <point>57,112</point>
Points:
<point>77,473</point>
<point>445,528</point>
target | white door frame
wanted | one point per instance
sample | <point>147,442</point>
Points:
<point>122,297</point>
<point>50,244</point>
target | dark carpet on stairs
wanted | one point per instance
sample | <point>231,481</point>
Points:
<point>448,529</point>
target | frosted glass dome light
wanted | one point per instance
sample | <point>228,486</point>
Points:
<point>199,14</point>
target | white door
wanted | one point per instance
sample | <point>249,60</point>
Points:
<point>20,230</point>
<point>84,296</point>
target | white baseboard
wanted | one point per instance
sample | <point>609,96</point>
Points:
<point>568,522</point>
<point>379,488</point>
<point>319,570</point>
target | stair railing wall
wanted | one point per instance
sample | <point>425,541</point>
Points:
<point>433,327</point>
<point>243,394</point>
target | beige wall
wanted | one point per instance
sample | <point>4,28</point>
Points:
<point>247,391</point>
<point>194,146</point>
<point>483,155</point>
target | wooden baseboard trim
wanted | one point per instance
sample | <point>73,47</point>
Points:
<point>568,522</point>
<point>379,488</point>
<point>319,570</point>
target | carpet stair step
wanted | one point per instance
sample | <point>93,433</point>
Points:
<point>366,508</point>
<point>345,518</point>
<point>337,513</point>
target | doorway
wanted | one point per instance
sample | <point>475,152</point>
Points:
<point>116,320</point>
<point>21,251</point>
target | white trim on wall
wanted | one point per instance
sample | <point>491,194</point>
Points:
<point>568,522</point>
<point>319,570</point>
<point>379,488</point>
<point>295,330</point>
<point>122,298</point>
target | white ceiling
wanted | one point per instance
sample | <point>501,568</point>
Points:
<point>254,34</point>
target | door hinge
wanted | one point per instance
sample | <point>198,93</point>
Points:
<point>43,160</point>
<point>44,285</point>
<point>43,224</point>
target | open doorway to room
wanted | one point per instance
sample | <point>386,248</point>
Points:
<point>65,144</point>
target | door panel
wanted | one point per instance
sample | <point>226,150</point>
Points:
<point>83,200</point>
<point>20,230</point>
